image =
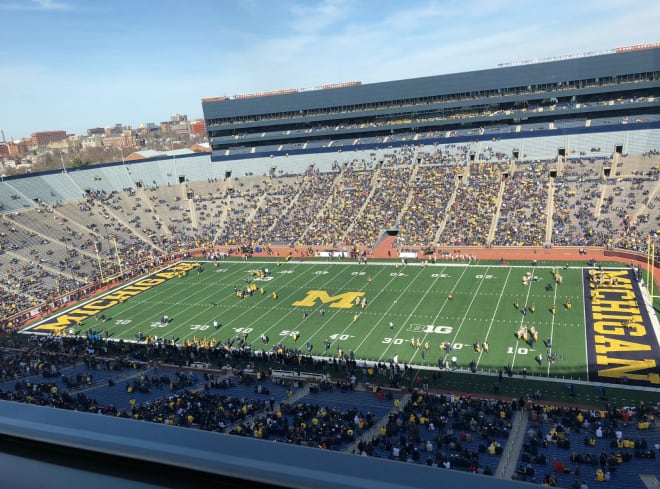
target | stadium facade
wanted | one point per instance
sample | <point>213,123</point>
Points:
<point>620,84</point>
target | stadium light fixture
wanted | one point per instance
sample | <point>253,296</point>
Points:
<point>62,160</point>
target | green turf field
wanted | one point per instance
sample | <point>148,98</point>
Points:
<point>317,302</point>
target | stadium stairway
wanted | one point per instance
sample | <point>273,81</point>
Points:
<point>411,194</point>
<point>373,187</point>
<point>601,199</point>
<point>192,210</point>
<point>326,204</point>
<point>295,396</point>
<point>498,210</point>
<point>649,199</point>
<point>372,433</point>
<point>289,206</point>
<point>443,223</point>
<point>222,220</point>
<point>650,481</point>
<point>123,220</point>
<point>156,215</point>
<point>507,465</point>
<point>550,211</point>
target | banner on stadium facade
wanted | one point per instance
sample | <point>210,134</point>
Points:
<point>332,253</point>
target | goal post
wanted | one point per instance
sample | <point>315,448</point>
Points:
<point>650,267</point>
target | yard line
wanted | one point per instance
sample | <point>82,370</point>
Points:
<point>386,315</point>
<point>524,316</point>
<point>441,309</point>
<point>237,319</point>
<point>483,279</point>
<point>497,306</point>
<point>411,313</point>
<point>166,291</point>
<point>384,268</point>
<point>584,322</point>
<point>380,290</point>
<point>552,329</point>
<point>298,325</point>
<point>203,312</point>
<point>195,310</point>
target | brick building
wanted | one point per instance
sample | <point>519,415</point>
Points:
<point>44,138</point>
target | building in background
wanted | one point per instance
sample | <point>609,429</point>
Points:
<point>96,131</point>
<point>44,138</point>
<point>13,148</point>
<point>125,139</point>
<point>198,127</point>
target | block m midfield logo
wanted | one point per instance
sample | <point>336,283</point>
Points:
<point>339,301</point>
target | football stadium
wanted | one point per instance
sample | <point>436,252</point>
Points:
<point>458,272</point>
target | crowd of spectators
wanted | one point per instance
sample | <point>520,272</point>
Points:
<point>442,430</point>
<point>308,424</point>
<point>568,445</point>
<point>625,209</point>
<point>300,219</point>
<point>348,196</point>
<point>524,206</point>
<point>29,364</point>
<point>261,210</point>
<point>445,430</point>
<point>382,209</point>
<point>471,213</point>
<point>431,192</point>
<point>449,192</point>
<point>576,197</point>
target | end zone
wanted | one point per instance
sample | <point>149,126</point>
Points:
<point>70,318</point>
<point>622,343</point>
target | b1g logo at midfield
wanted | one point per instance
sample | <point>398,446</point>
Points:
<point>339,301</point>
<point>430,328</point>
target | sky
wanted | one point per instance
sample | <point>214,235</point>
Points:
<point>77,64</point>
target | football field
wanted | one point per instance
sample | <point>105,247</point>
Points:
<point>567,322</point>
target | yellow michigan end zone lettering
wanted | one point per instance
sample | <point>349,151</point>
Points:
<point>605,345</point>
<point>627,307</point>
<point>183,266</point>
<point>617,318</point>
<point>616,328</point>
<point>628,368</point>
<point>624,295</point>
<point>340,301</point>
<point>63,321</point>
<point>173,271</point>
